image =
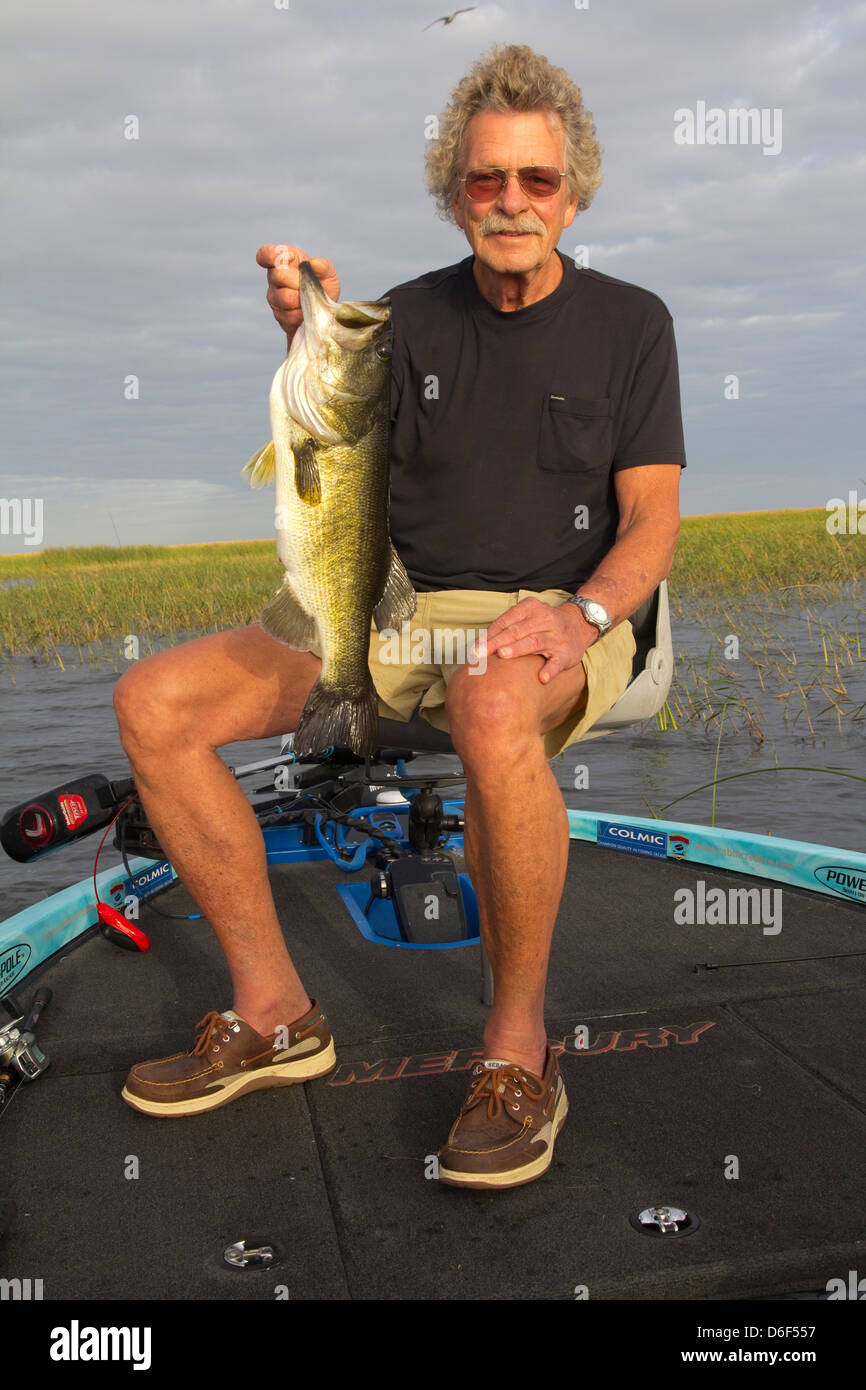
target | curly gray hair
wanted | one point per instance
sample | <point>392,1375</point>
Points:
<point>514,78</point>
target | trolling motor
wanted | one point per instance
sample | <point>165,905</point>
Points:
<point>423,886</point>
<point>71,811</point>
<point>422,883</point>
<point>66,813</point>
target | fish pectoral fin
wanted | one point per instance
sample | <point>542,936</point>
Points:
<point>260,468</point>
<point>398,601</point>
<point>307,477</point>
<point>284,618</point>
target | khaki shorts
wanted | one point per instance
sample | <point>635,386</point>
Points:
<point>411,668</point>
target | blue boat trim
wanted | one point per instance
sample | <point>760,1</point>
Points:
<point>52,923</point>
<point>33,936</point>
<point>838,873</point>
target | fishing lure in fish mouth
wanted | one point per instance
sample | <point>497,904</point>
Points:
<point>328,458</point>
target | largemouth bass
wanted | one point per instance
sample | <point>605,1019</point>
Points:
<point>329,407</point>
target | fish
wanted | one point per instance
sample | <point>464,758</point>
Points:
<point>328,459</point>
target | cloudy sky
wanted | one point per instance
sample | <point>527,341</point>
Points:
<point>304,122</point>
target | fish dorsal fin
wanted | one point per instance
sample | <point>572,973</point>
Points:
<point>308,480</point>
<point>259,470</point>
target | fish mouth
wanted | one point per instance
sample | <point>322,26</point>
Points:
<point>351,324</point>
<point>313,381</point>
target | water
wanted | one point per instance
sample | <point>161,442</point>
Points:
<point>57,723</point>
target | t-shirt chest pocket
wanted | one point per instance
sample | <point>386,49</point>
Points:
<point>575,434</point>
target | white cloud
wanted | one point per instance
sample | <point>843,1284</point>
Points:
<point>308,125</point>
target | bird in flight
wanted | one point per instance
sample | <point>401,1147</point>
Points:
<point>448,18</point>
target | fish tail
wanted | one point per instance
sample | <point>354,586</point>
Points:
<point>333,719</point>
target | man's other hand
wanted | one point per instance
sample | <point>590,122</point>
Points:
<point>559,633</point>
<point>284,297</point>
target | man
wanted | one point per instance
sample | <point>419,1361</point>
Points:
<point>543,467</point>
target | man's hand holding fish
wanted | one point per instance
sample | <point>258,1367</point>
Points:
<point>284,282</point>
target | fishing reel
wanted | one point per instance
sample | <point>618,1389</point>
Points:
<point>21,1057</point>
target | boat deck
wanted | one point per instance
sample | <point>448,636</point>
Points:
<point>687,1075</point>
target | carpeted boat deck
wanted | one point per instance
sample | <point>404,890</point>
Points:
<point>737,1094</point>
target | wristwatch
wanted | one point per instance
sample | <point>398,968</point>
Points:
<point>594,612</point>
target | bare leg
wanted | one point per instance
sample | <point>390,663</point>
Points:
<point>174,710</point>
<point>516,839</point>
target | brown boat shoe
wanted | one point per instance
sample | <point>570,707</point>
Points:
<point>506,1129</point>
<point>229,1059</point>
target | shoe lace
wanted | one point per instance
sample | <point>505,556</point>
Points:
<point>495,1083</point>
<point>206,1029</point>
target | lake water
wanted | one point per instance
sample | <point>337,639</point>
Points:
<point>57,723</point>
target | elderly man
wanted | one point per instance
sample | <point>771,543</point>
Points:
<point>536,451</point>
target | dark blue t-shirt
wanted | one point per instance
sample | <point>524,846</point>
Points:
<point>507,427</point>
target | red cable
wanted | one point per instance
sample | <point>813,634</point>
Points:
<point>109,915</point>
<point>126,803</point>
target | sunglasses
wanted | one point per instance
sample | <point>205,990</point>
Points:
<point>536,180</point>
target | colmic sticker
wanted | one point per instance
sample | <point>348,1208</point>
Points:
<point>148,880</point>
<point>633,839</point>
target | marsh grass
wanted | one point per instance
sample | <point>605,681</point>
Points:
<point>752,552</point>
<point>799,660</point>
<point>85,598</point>
<point>80,604</point>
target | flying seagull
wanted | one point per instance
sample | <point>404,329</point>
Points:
<point>448,18</point>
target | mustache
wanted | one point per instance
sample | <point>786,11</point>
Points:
<point>495,222</point>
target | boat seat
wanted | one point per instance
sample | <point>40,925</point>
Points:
<point>646,692</point>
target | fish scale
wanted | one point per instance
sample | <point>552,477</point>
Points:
<point>329,407</point>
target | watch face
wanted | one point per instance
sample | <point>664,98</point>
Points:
<point>595,612</point>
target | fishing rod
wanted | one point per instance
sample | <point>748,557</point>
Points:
<point>783,960</point>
